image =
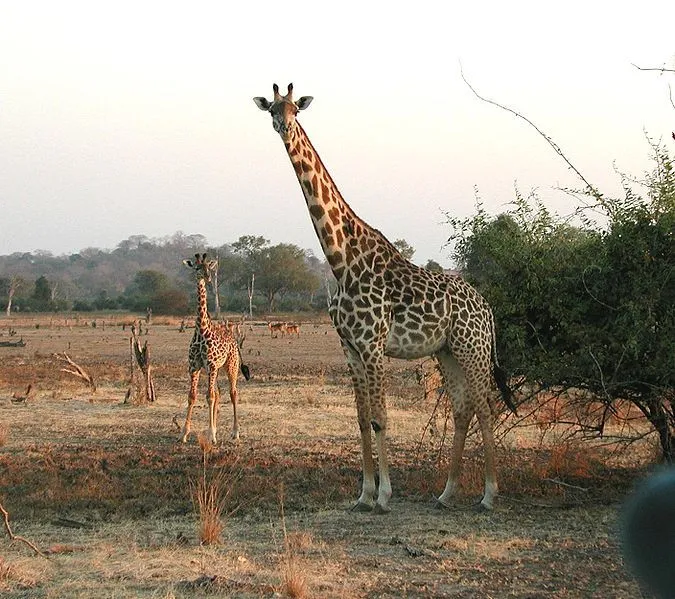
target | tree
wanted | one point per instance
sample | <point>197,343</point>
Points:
<point>585,308</point>
<point>42,295</point>
<point>280,269</point>
<point>143,291</point>
<point>407,251</point>
<point>249,245</point>
<point>433,266</point>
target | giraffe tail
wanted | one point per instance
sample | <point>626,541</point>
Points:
<point>500,375</point>
<point>502,384</point>
<point>246,372</point>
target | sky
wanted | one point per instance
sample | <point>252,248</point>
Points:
<point>136,118</point>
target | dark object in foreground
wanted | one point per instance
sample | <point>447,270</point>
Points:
<point>648,533</point>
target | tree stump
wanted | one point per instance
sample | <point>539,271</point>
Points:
<point>140,355</point>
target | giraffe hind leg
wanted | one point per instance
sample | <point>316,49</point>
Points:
<point>456,389</point>
<point>232,375</point>
<point>468,385</point>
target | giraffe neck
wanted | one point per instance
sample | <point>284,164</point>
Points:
<point>342,234</point>
<point>203,318</point>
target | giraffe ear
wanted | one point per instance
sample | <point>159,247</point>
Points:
<point>262,103</point>
<point>188,263</point>
<point>304,102</point>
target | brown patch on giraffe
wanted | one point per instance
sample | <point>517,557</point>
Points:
<point>334,259</point>
<point>334,215</point>
<point>307,186</point>
<point>317,211</point>
<point>327,233</point>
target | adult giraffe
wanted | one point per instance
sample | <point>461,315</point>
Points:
<point>387,306</point>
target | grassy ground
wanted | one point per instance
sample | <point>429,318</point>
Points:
<point>106,490</point>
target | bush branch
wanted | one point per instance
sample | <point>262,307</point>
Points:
<point>591,190</point>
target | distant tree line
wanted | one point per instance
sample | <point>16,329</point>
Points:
<point>142,273</point>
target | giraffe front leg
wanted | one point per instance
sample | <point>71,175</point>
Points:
<point>366,500</point>
<point>212,399</point>
<point>378,407</point>
<point>192,397</point>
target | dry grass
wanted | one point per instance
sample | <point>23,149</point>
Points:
<point>121,472</point>
<point>14,577</point>
<point>4,433</point>
<point>294,575</point>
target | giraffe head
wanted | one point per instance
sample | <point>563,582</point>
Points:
<point>283,109</point>
<point>201,267</point>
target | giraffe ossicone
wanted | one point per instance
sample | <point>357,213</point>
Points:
<point>386,306</point>
<point>213,347</point>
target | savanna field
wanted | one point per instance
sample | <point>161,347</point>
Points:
<point>118,507</point>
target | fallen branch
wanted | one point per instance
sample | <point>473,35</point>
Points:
<point>77,371</point>
<point>562,484</point>
<point>14,537</point>
<point>19,343</point>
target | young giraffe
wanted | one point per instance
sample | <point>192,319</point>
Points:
<point>212,347</point>
<point>387,306</point>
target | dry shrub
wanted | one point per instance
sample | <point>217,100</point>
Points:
<point>208,497</point>
<point>295,581</point>
<point>211,494</point>
<point>568,460</point>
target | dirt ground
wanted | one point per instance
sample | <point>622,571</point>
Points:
<point>105,489</point>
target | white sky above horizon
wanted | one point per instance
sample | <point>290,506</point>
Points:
<point>128,118</point>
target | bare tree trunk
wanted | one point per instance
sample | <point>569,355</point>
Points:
<point>214,285</point>
<point>14,284</point>
<point>250,296</point>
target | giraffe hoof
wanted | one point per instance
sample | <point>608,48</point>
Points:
<point>481,508</point>
<point>439,505</point>
<point>381,509</point>
<point>359,506</point>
